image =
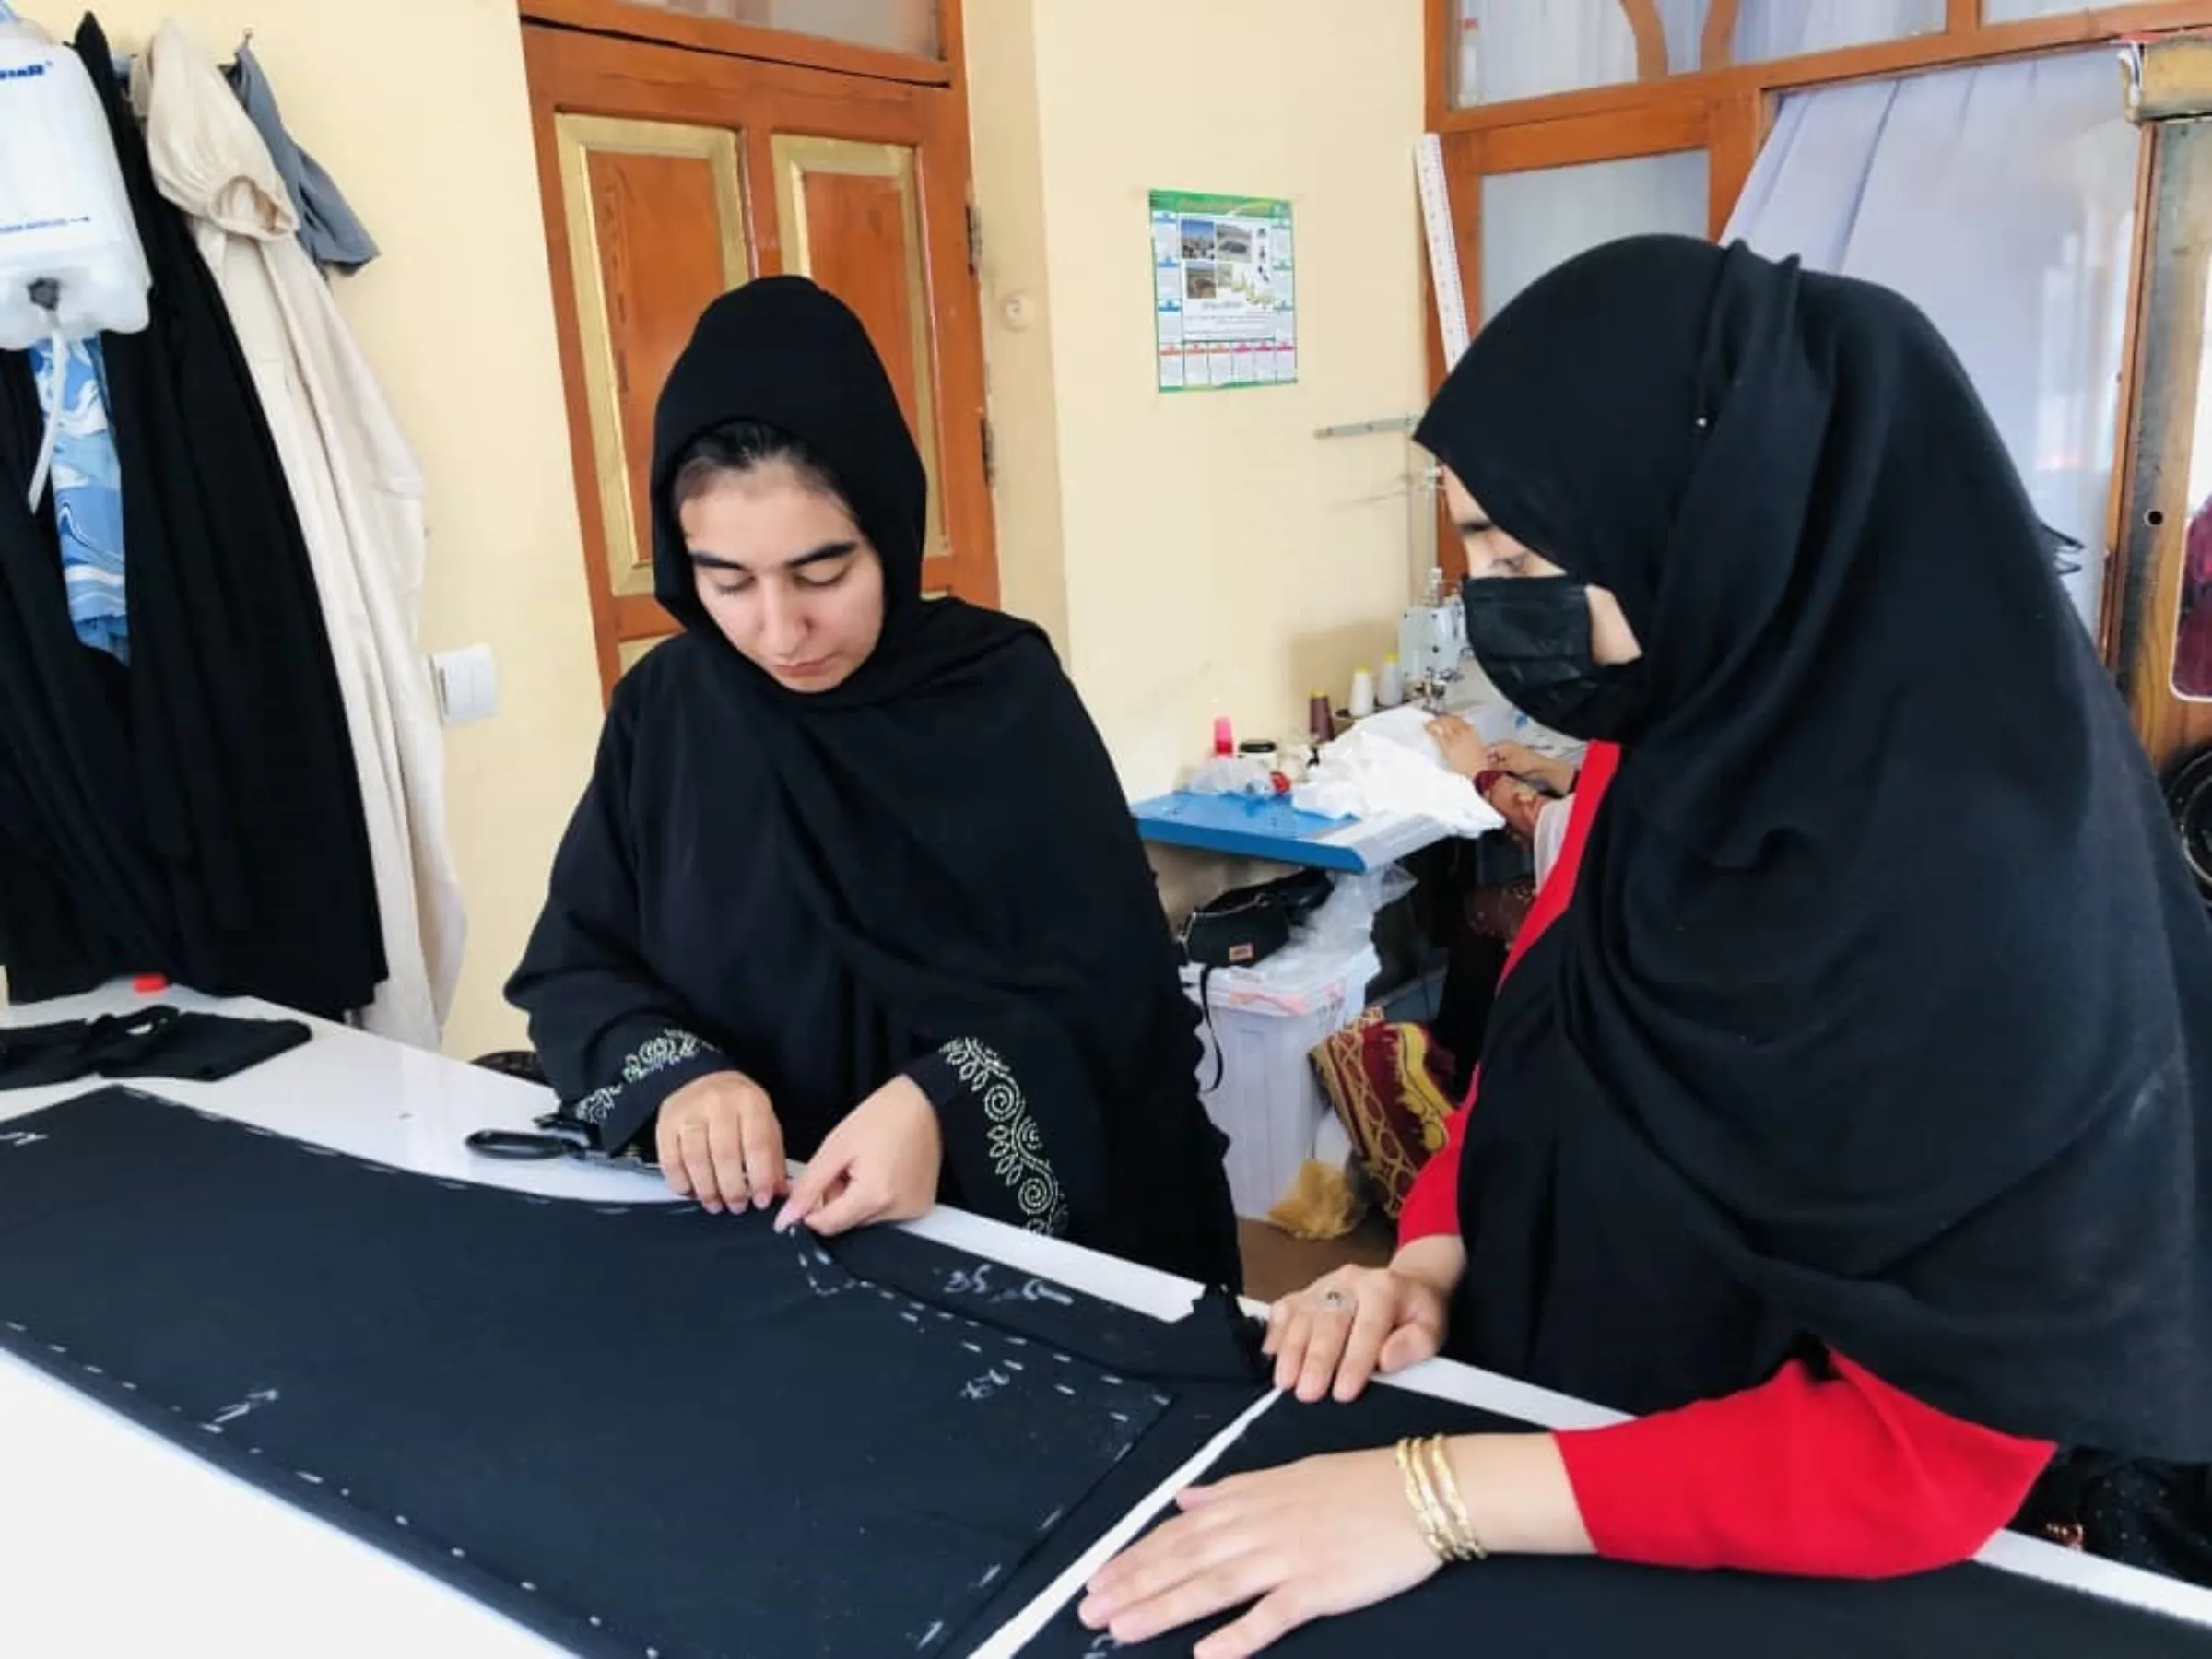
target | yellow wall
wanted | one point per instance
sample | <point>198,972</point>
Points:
<point>1191,554</point>
<point>1211,555</point>
<point>419,109</point>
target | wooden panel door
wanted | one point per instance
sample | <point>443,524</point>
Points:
<point>670,175</point>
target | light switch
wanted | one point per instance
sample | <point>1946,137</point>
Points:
<point>468,684</point>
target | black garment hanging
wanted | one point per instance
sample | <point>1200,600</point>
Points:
<point>1556,1607</point>
<point>198,813</point>
<point>931,868</point>
<point>633,1428</point>
<point>1878,1021</point>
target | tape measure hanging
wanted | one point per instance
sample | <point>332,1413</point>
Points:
<point>1443,246</point>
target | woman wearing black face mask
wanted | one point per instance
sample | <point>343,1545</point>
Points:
<point>1865,1151</point>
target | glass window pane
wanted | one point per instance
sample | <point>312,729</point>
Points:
<point>2013,11</point>
<point>1532,221</point>
<point>906,26</point>
<point>2193,634</point>
<point>1766,29</point>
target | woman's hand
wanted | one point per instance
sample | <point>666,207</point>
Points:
<point>1519,805</point>
<point>1461,746</point>
<point>1318,1537</point>
<point>719,1142</point>
<point>1355,1321</point>
<point>880,1164</point>
<point>1325,1537</point>
<point>1548,771</point>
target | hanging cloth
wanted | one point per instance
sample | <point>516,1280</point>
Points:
<point>329,230</point>
<point>197,816</point>
<point>87,481</point>
<point>360,494</point>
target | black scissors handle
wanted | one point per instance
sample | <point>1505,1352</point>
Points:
<point>526,1145</point>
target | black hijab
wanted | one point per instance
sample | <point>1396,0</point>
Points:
<point>1877,1021</point>
<point>953,829</point>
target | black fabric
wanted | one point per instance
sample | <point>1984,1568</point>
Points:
<point>821,890</point>
<point>154,1041</point>
<point>633,1428</point>
<point>1877,1021</point>
<point>196,815</point>
<point>1531,1607</point>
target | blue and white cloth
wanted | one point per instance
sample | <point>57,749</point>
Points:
<point>87,483</point>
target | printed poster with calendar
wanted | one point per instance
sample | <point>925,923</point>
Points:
<point>1225,291</point>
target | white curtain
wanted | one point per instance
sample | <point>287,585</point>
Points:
<point>1532,221</point>
<point>1526,48</point>
<point>1766,29</point>
<point>2013,11</point>
<point>360,495</point>
<point>2000,199</point>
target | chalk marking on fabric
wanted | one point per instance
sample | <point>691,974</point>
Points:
<point>1064,1389</point>
<point>254,1399</point>
<point>311,1479</point>
<point>972,1348</point>
<point>1051,1520</point>
<point>529,1586</point>
<point>402,1521</point>
<point>990,1573</point>
<point>930,1635</point>
<point>460,1554</point>
<point>15,1328</point>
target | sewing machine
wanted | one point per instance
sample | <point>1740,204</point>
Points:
<point>1432,637</point>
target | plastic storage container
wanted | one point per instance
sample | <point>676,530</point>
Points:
<point>70,262</point>
<point>1267,1020</point>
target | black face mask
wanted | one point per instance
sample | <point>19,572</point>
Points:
<point>1532,636</point>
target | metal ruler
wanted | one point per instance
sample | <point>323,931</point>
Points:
<point>1443,246</point>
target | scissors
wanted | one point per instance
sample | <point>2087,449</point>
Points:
<point>552,1138</point>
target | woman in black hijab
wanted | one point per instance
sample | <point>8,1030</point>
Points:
<point>1848,1118</point>
<point>854,880</point>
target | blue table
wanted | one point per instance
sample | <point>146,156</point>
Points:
<point>1247,826</point>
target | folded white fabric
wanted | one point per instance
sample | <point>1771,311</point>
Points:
<point>1389,764</point>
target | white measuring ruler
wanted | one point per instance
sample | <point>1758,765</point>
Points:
<point>1443,246</point>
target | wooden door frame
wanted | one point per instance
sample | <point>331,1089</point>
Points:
<point>922,104</point>
<point>2158,406</point>
<point>625,20</point>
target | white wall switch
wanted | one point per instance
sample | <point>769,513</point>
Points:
<point>468,684</point>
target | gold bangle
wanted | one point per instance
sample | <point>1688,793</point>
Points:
<point>1454,1545</point>
<point>1464,1539</point>
<point>1422,1505</point>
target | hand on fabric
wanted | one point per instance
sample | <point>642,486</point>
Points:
<point>1335,1336</point>
<point>1547,770</point>
<point>1321,1536</point>
<point>719,1142</point>
<point>1461,744</point>
<point>880,1164</point>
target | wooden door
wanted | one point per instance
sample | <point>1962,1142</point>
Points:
<point>670,175</point>
<point>2162,635</point>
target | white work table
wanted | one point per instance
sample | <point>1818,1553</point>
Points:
<point>116,1542</point>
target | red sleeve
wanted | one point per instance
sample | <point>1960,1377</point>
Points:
<point>1838,1477</point>
<point>1432,1204</point>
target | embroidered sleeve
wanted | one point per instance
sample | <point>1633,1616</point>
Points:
<point>992,1139</point>
<point>650,1073</point>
